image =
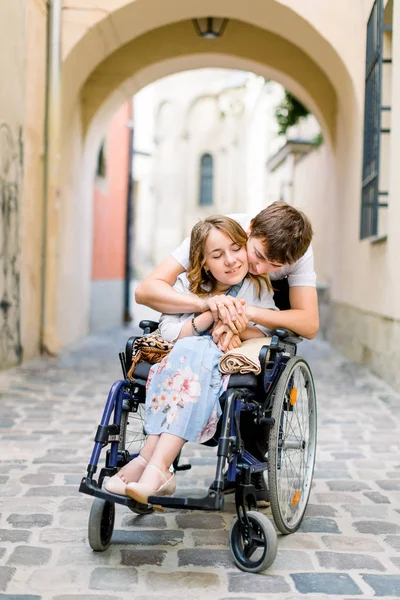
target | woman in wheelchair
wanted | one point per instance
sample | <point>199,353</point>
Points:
<point>183,391</point>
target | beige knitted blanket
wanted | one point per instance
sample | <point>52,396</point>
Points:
<point>244,359</point>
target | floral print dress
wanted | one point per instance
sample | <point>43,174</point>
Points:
<point>183,390</point>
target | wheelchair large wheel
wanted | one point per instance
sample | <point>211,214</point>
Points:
<point>292,445</point>
<point>255,549</point>
<point>101,524</point>
<point>132,435</point>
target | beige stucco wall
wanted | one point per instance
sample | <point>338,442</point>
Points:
<point>12,93</point>
<point>22,68</point>
<point>32,221</point>
<point>12,59</point>
<point>364,274</point>
<point>315,195</point>
<point>368,330</point>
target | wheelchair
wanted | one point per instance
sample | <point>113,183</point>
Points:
<point>281,399</point>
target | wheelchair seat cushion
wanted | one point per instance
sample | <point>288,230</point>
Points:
<point>249,380</point>
<point>141,371</point>
<point>235,381</point>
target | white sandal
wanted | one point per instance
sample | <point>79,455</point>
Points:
<point>116,485</point>
<point>141,491</point>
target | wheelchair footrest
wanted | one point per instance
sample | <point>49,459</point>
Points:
<point>213,501</point>
<point>91,488</point>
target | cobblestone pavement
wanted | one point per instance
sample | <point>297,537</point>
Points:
<point>348,545</point>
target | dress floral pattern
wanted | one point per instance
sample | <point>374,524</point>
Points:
<point>183,390</point>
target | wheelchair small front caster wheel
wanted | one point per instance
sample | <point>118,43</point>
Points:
<point>253,547</point>
<point>101,524</point>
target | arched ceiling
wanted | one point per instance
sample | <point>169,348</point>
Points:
<point>242,43</point>
<point>99,123</point>
<point>107,42</point>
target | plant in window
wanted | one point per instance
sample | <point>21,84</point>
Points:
<point>289,112</point>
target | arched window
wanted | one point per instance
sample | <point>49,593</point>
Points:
<point>206,180</point>
<point>101,168</point>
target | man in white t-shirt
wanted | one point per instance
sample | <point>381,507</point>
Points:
<point>279,244</point>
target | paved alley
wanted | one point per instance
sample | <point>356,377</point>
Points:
<point>348,545</point>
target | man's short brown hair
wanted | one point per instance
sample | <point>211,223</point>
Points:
<point>286,232</point>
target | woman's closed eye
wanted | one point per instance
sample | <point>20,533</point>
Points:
<point>219,254</point>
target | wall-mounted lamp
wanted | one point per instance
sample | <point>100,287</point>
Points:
<point>210,28</point>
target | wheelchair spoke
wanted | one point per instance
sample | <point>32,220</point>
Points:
<point>254,544</point>
<point>254,541</point>
<point>132,436</point>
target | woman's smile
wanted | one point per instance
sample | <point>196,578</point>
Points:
<point>234,270</point>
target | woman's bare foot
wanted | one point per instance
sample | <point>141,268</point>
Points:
<point>133,470</point>
<point>129,473</point>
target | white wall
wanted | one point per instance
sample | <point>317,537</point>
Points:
<point>229,114</point>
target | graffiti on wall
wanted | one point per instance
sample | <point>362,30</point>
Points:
<point>10,301</point>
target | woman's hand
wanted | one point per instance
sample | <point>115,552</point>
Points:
<point>218,330</point>
<point>236,327</point>
<point>229,341</point>
<point>226,339</point>
<point>227,309</point>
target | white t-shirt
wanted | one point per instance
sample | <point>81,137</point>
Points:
<point>299,273</point>
<point>171,325</point>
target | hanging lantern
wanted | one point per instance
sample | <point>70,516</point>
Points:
<point>210,28</point>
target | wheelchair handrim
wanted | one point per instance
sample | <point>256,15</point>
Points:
<point>292,445</point>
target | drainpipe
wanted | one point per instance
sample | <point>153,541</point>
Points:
<point>52,146</point>
<point>127,317</point>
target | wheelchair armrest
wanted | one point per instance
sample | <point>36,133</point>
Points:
<point>288,336</point>
<point>128,351</point>
<point>148,326</point>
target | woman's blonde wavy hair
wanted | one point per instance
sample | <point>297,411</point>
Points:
<point>202,282</point>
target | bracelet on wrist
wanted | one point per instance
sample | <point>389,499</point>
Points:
<point>196,330</point>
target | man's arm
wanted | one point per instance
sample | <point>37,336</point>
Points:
<point>302,318</point>
<point>156,291</point>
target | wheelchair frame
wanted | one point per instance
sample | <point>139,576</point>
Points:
<point>241,395</point>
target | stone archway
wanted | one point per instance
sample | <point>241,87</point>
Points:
<point>288,49</point>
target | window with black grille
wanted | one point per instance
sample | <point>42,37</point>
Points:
<point>372,196</point>
<point>206,180</point>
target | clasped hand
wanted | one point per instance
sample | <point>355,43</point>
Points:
<point>230,320</point>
